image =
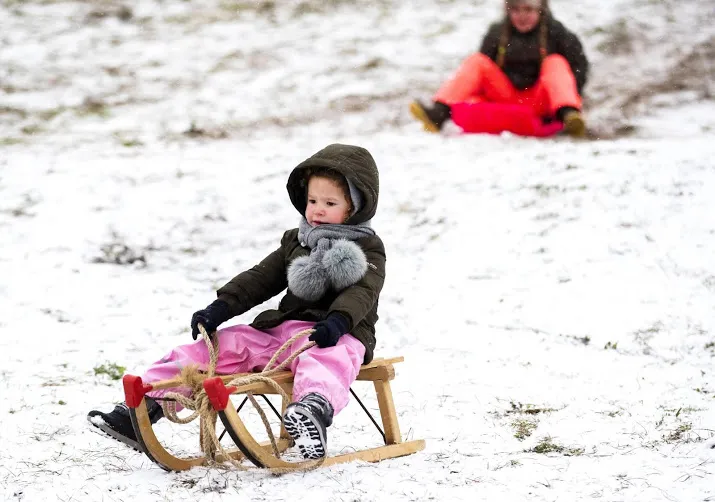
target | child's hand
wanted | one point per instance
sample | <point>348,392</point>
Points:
<point>210,318</point>
<point>327,333</point>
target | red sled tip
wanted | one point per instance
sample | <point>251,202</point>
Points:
<point>134,390</point>
<point>217,393</point>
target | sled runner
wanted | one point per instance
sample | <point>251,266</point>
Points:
<point>215,389</point>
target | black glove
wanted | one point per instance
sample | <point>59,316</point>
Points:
<point>328,332</point>
<point>210,318</point>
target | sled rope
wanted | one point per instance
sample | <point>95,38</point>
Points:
<point>200,404</point>
<point>191,377</point>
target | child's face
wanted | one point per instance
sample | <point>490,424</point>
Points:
<point>524,17</point>
<point>326,202</point>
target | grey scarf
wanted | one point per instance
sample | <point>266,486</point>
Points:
<point>335,261</point>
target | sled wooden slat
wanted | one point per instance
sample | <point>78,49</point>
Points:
<point>373,374</point>
<point>379,453</point>
<point>288,388</point>
<point>379,365</point>
<point>387,411</point>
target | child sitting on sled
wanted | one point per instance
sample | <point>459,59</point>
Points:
<point>333,265</point>
<point>528,62</point>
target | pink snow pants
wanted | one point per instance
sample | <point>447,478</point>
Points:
<point>329,372</point>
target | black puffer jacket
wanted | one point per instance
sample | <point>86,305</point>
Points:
<point>268,279</point>
<point>522,63</point>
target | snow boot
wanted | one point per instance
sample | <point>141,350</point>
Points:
<point>118,424</point>
<point>574,125</point>
<point>306,421</point>
<point>432,117</point>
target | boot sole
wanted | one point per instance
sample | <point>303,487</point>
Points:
<point>114,434</point>
<point>301,426</point>
<point>419,113</point>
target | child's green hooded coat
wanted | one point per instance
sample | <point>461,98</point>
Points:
<point>269,278</point>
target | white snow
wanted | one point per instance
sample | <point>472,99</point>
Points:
<point>562,288</point>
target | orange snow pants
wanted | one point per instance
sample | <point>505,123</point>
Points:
<point>480,79</point>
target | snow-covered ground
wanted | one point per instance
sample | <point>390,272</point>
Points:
<point>546,294</point>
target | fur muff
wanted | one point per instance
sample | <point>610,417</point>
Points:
<point>345,264</point>
<point>307,279</point>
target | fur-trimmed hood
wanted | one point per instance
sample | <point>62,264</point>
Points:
<point>353,162</point>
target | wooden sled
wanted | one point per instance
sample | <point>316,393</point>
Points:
<point>481,117</point>
<point>379,371</point>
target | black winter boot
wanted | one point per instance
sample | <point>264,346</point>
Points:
<point>574,125</point>
<point>118,424</point>
<point>306,422</point>
<point>432,117</point>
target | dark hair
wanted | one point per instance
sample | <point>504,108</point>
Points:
<point>543,36</point>
<point>332,175</point>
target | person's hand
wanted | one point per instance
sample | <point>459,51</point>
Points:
<point>210,318</point>
<point>327,333</point>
